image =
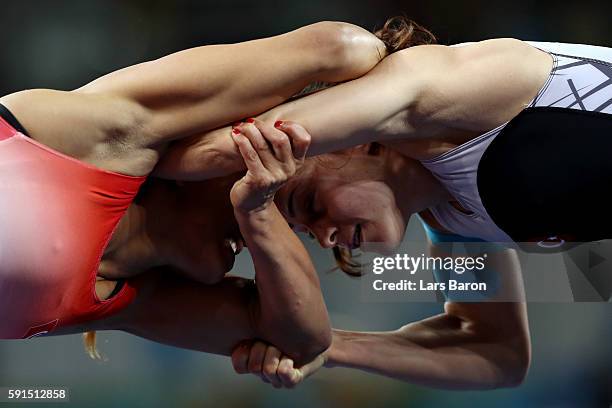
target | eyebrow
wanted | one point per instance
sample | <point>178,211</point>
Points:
<point>290,204</point>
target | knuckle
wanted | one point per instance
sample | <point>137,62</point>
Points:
<point>261,146</point>
<point>251,155</point>
<point>247,131</point>
<point>280,176</point>
<point>290,169</point>
<point>304,137</point>
<point>279,144</point>
<point>269,369</point>
<point>239,367</point>
<point>266,180</point>
<point>282,137</point>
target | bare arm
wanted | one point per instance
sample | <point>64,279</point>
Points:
<point>342,116</point>
<point>470,346</point>
<point>415,94</point>
<point>285,304</point>
<point>190,92</point>
<point>205,87</point>
<point>174,310</point>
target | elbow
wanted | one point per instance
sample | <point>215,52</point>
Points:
<point>517,363</point>
<point>517,374</point>
<point>319,344</point>
<point>346,51</point>
<point>312,348</point>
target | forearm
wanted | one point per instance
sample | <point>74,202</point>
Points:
<point>176,311</point>
<point>439,352</point>
<point>346,115</point>
<point>173,310</point>
<point>289,297</point>
<point>201,88</point>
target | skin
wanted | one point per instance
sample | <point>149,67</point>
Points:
<point>124,122</point>
<point>424,97</point>
<point>130,116</point>
<point>175,231</point>
<point>419,103</point>
<point>380,189</point>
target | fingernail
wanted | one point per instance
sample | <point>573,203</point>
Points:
<point>236,124</point>
<point>250,120</point>
<point>236,131</point>
<point>278,123</point>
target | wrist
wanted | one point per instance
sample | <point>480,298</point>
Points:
<point>335,354</point>
<point>257,216</point>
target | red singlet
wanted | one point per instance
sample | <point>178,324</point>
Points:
<point>57,215</point>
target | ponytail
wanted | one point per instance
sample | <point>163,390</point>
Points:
<point>400,32</point>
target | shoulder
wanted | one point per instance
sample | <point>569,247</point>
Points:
<point>478,86</point>
<point>426,60</point>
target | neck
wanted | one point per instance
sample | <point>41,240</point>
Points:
<point>137,238</point>
<point>415,188</point>
<point>130,225</point>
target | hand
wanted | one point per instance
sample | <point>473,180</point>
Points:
<point>269,364</point>
<point>271,156</point>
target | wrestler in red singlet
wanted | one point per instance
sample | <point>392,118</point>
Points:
<point>57,215</point>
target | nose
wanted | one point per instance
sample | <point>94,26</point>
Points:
<point>327,235</point>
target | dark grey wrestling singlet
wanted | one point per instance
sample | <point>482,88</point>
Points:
<point>548,171</point>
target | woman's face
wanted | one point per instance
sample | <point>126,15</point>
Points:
<point>345,201</point>
<point>199,233</point>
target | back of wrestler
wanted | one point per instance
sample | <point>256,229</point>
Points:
<point>71,162</point>
<point>57,215</point>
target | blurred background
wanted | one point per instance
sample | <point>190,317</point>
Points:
<point>63,44</point>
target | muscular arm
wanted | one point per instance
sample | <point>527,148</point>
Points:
<point>470,346</point>
<point>205,87</point>
<point>416,94</point>
<point>174,310</point>
<point>342,116</point>
<point>285,307</point>
<point>190,92</point>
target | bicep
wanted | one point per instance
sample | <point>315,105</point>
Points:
<point>375,107</point>
<point>205,87</point>
<point>480,311</point>
<point>342,116</point>
<point>501,272</point>
<point>173,310</point>
<point>481,85</point>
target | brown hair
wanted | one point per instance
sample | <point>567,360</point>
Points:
<point>398,33</point>
<point>89,341</point>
